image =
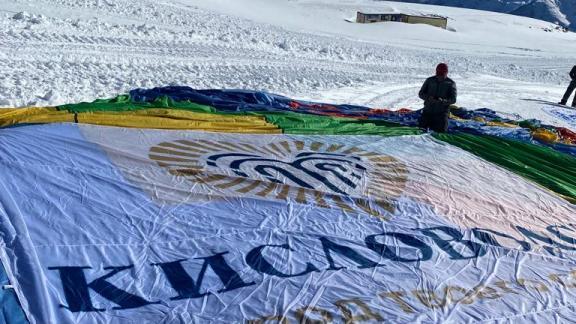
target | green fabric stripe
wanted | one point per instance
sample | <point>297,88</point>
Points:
<point>545,166</point>
<point>296,123</point>
<point>123,103</point>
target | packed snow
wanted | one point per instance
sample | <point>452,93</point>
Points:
<point>65,51</point>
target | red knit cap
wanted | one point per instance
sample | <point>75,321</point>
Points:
<point>442,70</point>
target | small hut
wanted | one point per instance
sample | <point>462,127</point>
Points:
<point>437,21</point>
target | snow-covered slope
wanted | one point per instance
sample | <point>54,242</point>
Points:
<point>562,12</point>
<point>489,5</point>
<point>63,51</point>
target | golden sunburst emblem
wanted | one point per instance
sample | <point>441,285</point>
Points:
<point>317,173</point>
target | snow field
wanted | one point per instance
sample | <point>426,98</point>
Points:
<point>64,51</point>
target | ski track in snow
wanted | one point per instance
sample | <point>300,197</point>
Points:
<point>66,51</point>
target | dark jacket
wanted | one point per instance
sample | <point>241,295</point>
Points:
<point>438,95</point>
<point>573,73</point>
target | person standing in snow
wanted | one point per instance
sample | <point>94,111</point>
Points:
<point>570,89</point>
<point>438,93</point>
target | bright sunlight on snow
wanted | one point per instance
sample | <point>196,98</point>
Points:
<point>64,51</point>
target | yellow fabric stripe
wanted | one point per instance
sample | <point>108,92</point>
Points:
<point>13,116</point>
<point>501,124</point>
<point>184,114</point>
<point>180,119</point>
<point>167,123</point>
<point>147,118</point>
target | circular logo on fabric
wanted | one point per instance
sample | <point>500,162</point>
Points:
<point>322,174</point>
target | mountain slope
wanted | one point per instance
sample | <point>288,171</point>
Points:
<point>556,11</point>
<point>562,12</point>
<point>489,5</point>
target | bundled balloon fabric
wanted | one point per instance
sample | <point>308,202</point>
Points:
<point>176,205</point>
<point>479,121</point>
